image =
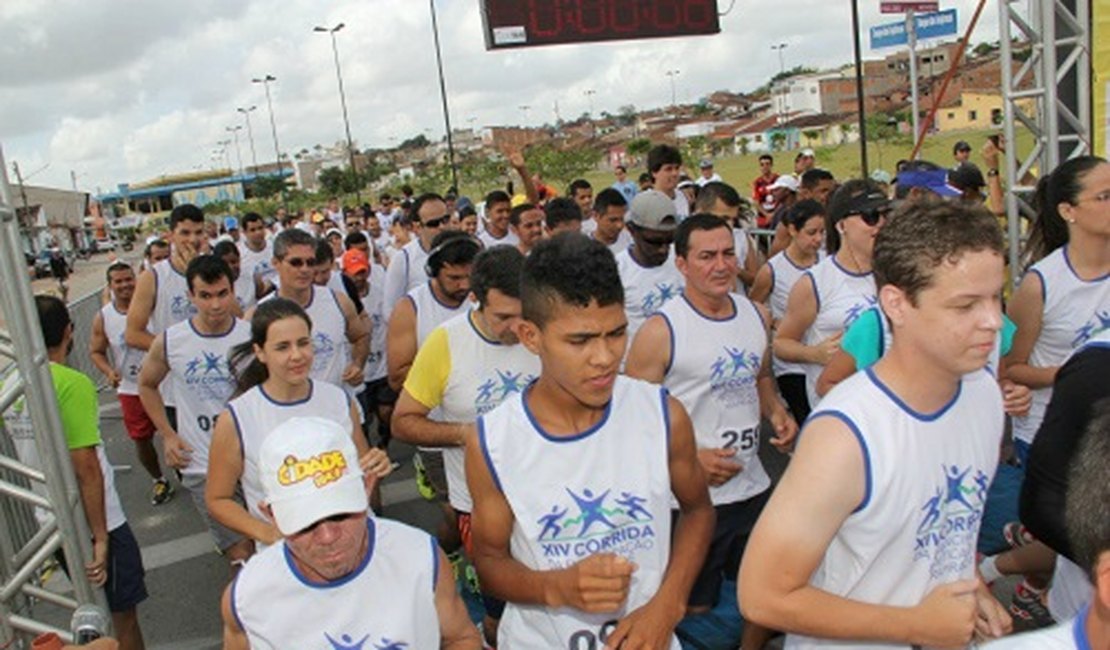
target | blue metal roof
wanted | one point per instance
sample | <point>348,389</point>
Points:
<point>163,190</point>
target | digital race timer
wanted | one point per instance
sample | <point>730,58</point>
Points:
<point>521,23</point>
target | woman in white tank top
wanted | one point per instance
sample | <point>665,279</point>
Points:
<point>839,288</point>
<point>805,225</point>
<point>1064,297</point>
<point>273,387</point>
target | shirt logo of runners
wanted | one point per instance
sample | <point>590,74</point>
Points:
<point>1100,322</point>
<point>658,297</point>
<point>950,521</point>
<point>857,310</point>
<point>323,348</point>
<point>181,308</point>
<point>733,374</point>
<point>590,522</point>
<point>345,642</point>
<point>493,391</point>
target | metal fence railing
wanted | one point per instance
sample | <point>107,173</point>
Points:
<point>83,311</point>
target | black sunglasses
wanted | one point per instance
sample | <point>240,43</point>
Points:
<point>436,223</point>
<point>872,216</point>
<point>298,262</point>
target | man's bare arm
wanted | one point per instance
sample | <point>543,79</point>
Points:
<point>138,313</point>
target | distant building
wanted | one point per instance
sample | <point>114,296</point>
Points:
<point>975,110</point>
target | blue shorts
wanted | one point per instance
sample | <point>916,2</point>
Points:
<point>125,587</point>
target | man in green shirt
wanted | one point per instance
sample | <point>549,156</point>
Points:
<point>116,564</point>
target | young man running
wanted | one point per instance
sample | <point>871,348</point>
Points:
<point>194,355</point>
<point>870,535</point>
<point>122,372</point>
<point>572,481</point>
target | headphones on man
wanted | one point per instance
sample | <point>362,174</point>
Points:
<point>433,265</point>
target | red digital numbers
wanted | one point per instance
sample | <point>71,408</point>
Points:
<point>566,21</point>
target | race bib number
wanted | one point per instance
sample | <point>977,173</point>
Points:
<point>590,640</point>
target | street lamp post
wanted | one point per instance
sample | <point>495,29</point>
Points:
<point>672,74</point>
<point>234,130</point>
<point>590,98</point>
<point>250,134</point>
<point>524,108</point>
<point>265,81</point>
<point>225,153</point>
<point>443,96</point>
<point>343,103</point>
<point>782,76</point>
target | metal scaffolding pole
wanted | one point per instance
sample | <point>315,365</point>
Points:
<point>25,543</point>
<point>1056,78</point>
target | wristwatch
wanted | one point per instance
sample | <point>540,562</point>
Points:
<point>991,173</point>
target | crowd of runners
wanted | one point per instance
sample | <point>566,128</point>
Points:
<point>589,377</point>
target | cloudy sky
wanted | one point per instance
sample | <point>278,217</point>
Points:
<point>125,90</point>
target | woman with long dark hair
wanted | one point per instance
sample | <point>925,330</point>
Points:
<point>273,385</point>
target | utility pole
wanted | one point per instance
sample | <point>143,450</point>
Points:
<point>250,134</point>
<point>265,81</point>
<point>443,97</point>
<point>343,104</point>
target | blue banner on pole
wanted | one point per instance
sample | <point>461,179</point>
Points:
<point>934,25</point>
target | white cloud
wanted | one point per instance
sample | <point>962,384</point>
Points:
<point>123,90</point>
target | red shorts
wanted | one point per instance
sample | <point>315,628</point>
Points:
<point>138,424</point>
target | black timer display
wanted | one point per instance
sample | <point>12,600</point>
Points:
<point>522,23</point>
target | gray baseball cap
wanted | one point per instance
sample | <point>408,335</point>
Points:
<point>653,210</point>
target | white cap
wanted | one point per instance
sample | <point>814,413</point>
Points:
<point>309,471</point>
<point>786,181</point>
<point>809,153</point>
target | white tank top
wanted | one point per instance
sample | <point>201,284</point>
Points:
<point>256,414</point>
<point>927,477</point>
<point>606,489</point>
<point>374,304</point>
<point>713,371</point>
<point>430,312</point>
<point>387,602</point>
<point>841,297</point>
<point>331,349</point>
<point>1074,309</point>
<point>483,374</point>
<point>201,382</point>
<point>259,263</point>
<point>784,274</point>
<point>646,290</point>
<point>171,298</point>
<point>244,290</point>
<point>125,359</point>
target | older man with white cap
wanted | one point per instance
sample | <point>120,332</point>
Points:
<point>340,578</point>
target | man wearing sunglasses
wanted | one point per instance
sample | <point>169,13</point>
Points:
<point>340,336</point>
<point>339,578</point>
<point>647,267</point>
<point>406,268</point>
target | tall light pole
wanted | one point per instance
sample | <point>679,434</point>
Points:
<point>672,74</point>
<point>343,103</point>
<point>524,108</point>
<point>590,98</point>
<point>782,76</point>
<point>443,96</point>
<point>234,130</point>
<point>265,81</point>
<point>223,144</point>
<point>250,134</point>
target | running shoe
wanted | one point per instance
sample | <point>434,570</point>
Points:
<point>1027,607</point>
<point>162,492</point>
<point>1017,535</point>
<point>423,485</point>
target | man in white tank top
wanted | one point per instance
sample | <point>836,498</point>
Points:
<point>340,336</point>
<point>339,579</point>
<point>572,481</point>
<point>709,348</point>
<point>414,318</point>
<point>122,372</point>
<point>647,267</point>
<point>869,538</point>
<point>256,251</point>
<point>465,368</point>
<point>194,356</point>
<point>406,266</point>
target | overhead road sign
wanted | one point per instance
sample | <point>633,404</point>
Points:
<point>935,25</point>
<point>900,7</point>
<point>524,23</point>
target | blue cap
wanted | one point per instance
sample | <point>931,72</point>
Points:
<point>934,181</point>
<point>231,223</point>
